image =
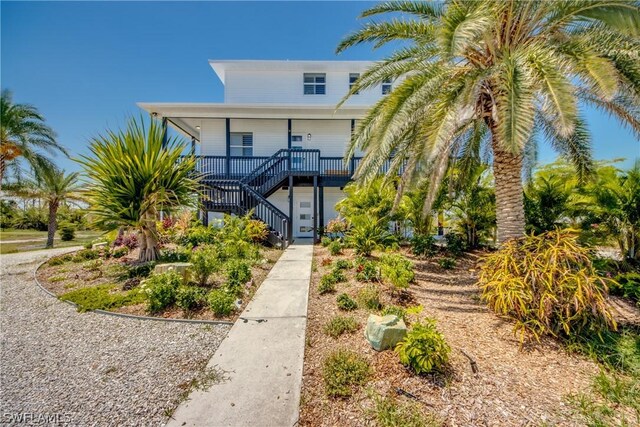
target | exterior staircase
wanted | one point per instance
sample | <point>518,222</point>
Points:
<point>249,193</point>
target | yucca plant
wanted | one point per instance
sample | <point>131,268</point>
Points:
<point>367,234</point>
<point>548,285</point>
<point>493,75</point>
<point>133,175</point>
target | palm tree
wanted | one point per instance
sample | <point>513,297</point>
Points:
<point>133,176</point>
<point>474,74</point>
<point>614,201</point>
<point>23,133</point>
<point>473,207</point>
<point>54,187</point>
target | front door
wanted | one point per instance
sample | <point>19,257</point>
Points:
<point>303,217</point>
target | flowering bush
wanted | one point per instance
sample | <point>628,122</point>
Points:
<point>337,226</point>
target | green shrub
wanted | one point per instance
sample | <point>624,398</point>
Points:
<point>175,255</point>
<point>367,271</point>
<point>396,270</point>
<point>368,233</point>
<point>343,371</point>
<point>424,349</point>
<point>67,232</point>
<point>141,270</point>
<point>335,248</point>
<point>396,310</point>
<point>86,255</point>
<point>391,413</point>
<point>423,245</point>
<point>338,275</point>
<point>346,303</point>
<point>339,325</point>
<point>102,297</point>
<point>325,241</point>
<point>257,231</point>
<point>161,290</point>
<point>627,285</point>
<point>205,263</point>
<point>201,235</point>
<point>447,263</point>
<point>369,297</point>
<point>221,302</point>
<point>238,273</point>
<point>327,284</point>
<point>93,265</point>
<point>456,244</point>
<point>190,298</point>
<point>59,260</point>
<point>547,284</point>
<point>119,252</point>
<point>342,264</point>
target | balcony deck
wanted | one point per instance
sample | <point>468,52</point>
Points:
<point>331,171</point>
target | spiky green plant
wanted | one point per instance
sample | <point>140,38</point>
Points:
<point>133,175</point>
<point>494,74</point>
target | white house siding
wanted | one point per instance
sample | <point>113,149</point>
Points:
<point>286,86</point>
<point>213,139</point>
<point>329,136</point>
<point>332,195</point>
<point>269,136</point>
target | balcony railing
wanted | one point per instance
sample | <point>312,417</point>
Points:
<point>302,162</point>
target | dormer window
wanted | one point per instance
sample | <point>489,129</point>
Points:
<point>386,86</point>
<point>352,79</point>
<point>315,83</point>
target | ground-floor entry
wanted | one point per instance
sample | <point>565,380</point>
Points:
<point>303,216</point>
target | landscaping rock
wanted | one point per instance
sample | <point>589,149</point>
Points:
<point>384,332</point>
<point>182,268</point>
<point>99,245</point>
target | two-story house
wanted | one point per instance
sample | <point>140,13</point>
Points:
<point>276,144</point>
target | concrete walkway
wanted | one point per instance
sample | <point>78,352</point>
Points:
<point>262,355</point>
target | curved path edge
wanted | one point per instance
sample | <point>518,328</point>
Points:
<point>123,315</point>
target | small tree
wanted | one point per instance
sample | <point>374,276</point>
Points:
<point>615,204</point>
<point>53,186</point>
<point>136,173</point>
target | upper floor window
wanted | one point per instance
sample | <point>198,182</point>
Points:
<point>241,144</point>
<point>386,86</point>
<point>352,79</point>
<point>315,83</point>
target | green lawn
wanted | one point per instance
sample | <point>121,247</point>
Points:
<point>33,240</point>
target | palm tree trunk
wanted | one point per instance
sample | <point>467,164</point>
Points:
<point>507,170</point>
<point>148,242</point>
<point>53,224</point>
<point>2,167</point>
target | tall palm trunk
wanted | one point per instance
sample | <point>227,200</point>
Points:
<point>53,224</point>
<point>507,170</point>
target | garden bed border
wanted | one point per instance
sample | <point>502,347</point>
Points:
<point>122,315</point>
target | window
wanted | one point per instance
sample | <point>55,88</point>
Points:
<point>242,144</point>
<point>315,83</point>
<point>352,79</point>
<point>305,217</point>
<point>386,86</point>
<point>305,204</point>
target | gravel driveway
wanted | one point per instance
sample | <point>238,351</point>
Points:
<point>87,369</point>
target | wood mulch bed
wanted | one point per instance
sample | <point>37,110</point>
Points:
<point>514,386</point>
<point>70,276</point>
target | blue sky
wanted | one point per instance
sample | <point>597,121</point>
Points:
<point>85,65</point>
